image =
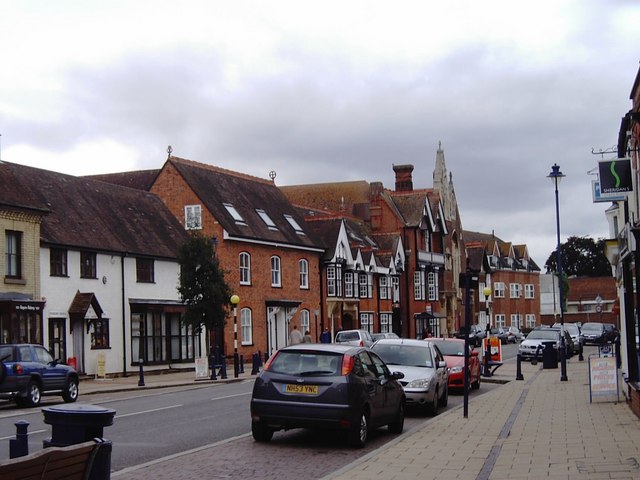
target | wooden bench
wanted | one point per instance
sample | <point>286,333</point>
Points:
<point>73,462</point>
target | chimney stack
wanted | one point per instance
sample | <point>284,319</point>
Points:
<point>404,180</point>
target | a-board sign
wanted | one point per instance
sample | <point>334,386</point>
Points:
<point>603,376</point>
<point>101,371</point>
<point>202,367</point>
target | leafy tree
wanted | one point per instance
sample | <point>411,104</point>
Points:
<point>581,257</point>
<point>202,286</point>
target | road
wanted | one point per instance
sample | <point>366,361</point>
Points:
<point>155,424</point>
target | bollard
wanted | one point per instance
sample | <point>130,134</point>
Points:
<point>580,356</point>
<point>519,375</point>
<point>77,423</point>
<point>141,374</point>
<point>255,358</point>
<point>486,359</point>
<point>534,360</point>
<point>241,363</point>
<point>19,446</point>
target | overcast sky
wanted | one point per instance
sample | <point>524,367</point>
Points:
<point>332,91</point>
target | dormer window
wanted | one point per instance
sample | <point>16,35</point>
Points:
<point>193,217</point>
<point>266,219</point>
<point>294,224</point>
<point>234,213</point>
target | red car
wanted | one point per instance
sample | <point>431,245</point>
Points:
<point>453,351</point>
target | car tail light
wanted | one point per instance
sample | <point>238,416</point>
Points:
<point>270,361</point>
<point>362,343</point>
<point>347,364</point>
<point>18,369</point>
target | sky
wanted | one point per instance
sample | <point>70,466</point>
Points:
<point>333,91</point>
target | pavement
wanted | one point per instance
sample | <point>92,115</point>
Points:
<point>537,427</point>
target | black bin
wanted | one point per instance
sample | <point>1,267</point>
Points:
<point>549,355</point>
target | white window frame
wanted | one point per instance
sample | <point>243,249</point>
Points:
<point>305,321</point>
<point>384,284</point>
<point>245,268</point>
<point>193,217</point>
<point>498,289</point>
<point>266,219</point>
<point>530,320</point>
<point>366,321</point>
<point>529,290</point>
<point>348,284</point>
<point>276,271</point>
<point>246,326</point>
<point>235,214</point>
<point>432,285</point>
<point>515,290</point>
<point>303,265</point>
<point>331,281</point>
<point>385,322</point>
<point>296,226</point>
<point>418,285</point>
<point>500,320</point>
<point>516,320</point>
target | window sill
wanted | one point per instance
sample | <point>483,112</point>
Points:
<point>101,348</point>
<point>15,281</point>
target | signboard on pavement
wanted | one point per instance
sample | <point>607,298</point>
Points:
<point>202,367</point>
<point>603,377</point>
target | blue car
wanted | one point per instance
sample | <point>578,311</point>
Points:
<point>27,371</point>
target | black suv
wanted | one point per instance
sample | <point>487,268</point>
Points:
<point>27,371</point>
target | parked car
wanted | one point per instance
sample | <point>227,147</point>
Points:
<point>28,371</point>
<point>476,334</point>
<point>576,335</point>
<point>361,338</point>
<point>501,333</point>
<point>452,350</point>
<point>538,337</point>
<point>593,333</point>
<point>330,386</point>
<point>426,376</point>
<point>514,335</point>
<point>380,336</point>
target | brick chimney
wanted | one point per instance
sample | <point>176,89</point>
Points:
<point>404,180</point>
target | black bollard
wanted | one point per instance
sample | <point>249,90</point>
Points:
<point>534,360</point>
<point>19,446</point>
<point>255,358</point>
<point>141,377</point>
<point>519,367</point>
<point>241,363</point>
<point>223,370</point>
<point>487,359</point>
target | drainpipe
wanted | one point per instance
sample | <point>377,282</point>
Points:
<point>124,323</point>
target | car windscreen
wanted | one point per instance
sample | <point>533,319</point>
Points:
<point>569,327</point>
<point>404,355</point>
<point>306,363</point>
<point>455,349</point>
<point>596,327</point>
<point>347,336</point>
<point>543,335</point>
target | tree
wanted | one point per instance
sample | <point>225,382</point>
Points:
<point>202,285</point>
<point>581,257</point>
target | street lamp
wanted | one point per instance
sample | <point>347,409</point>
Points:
<point>235,299</point>
<point>556,175</point>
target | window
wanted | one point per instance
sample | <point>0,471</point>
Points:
<point>304,273</point>
<point>276,280</point>
<point>385,288</point>
<point>516,320</point>
<point>432,283</point>
<point>266,219</point>
<point>246,327</point>
<point>418,285</point>
<point>366,321</point>
<point>529,290</point>
<point>161,337</point>
<point>58,262</point>
<point>515,290</point>
<point>498,291</point>
<point>245,268</point>
<point>144,270</point>
<point>348,284</point>
<point>193,217</point>
<point>305,322</point>
<point>500,320</point>
<point>396,288</point>
<point>331,281</point>
<point>385,322</point>
<point>100,333</point>
<point>13,255</point>
<point>530,320</point>
<point>88,265</point>
<point>366,286</point>
<point>294,224</point>
<point>234,214</point>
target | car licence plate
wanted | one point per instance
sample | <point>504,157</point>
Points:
<point>303,389</point>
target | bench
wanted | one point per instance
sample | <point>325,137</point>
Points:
<point>69,463</point>
<point>492,366</point>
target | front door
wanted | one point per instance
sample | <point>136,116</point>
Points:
<point>77,331</point>
<point>277,329</point>
<point>57,338</point>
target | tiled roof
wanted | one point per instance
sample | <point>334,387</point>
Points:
<point>86,213</point>
<point>140,179</point>
<point>217,186</point>
<point>410,205</point>
<point>343,197</point>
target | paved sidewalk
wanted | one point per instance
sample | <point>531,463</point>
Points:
<point>536,428</point>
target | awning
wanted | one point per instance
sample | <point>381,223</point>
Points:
<point>427,316</point>
<point>282,303</point>
<point>85,306</point>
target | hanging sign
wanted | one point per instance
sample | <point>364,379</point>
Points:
<point>615,176</point>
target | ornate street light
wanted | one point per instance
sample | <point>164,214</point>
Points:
<point>556,175</point>
<point>235,299</point>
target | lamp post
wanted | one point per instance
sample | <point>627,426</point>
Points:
<point>556,175</point>
<point>235,299</point>
<point>487,351</point>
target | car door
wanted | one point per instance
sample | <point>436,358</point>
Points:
<point>374,388</point>
<point>391,390</point>
<point>53,377</point>
<point>441,372</point>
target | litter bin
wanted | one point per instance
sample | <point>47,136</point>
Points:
<point>549,356</point>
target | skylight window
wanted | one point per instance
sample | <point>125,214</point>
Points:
<point>266,219</point>
<point>294,224</point>
<point>234,213</point>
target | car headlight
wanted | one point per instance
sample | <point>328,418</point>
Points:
<point>419,383</point>
<point>456,369</point>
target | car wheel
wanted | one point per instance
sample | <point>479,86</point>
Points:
<point>359,431</point>
<point>444,399</point>
<point>70,393</point>
<point>34,395</point>
<point>432,408</point>
<point>398,423</point>
<point>261,433</point>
